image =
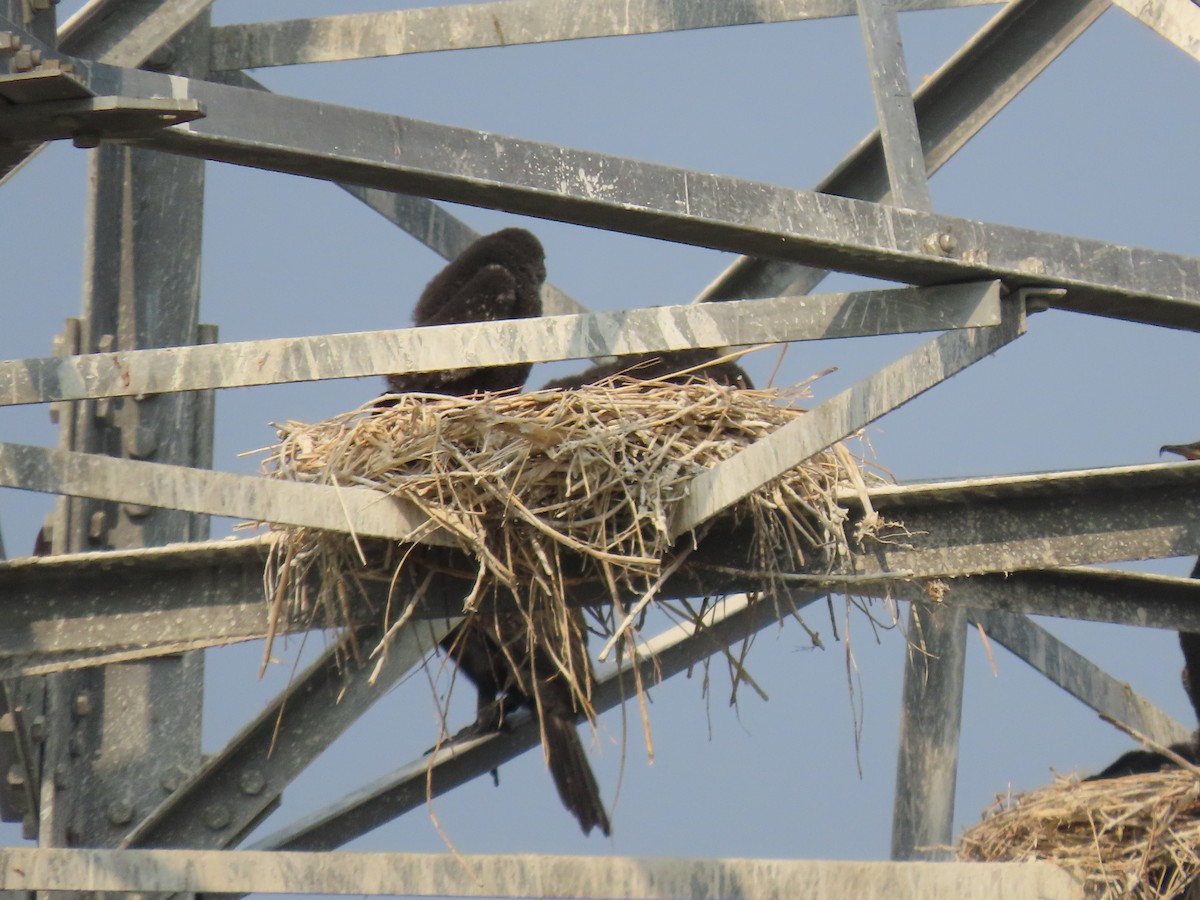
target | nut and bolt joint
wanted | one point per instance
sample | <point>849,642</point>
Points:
<point>81,705</point>
<point>120,811</point>
<point>216,816</point>
<point>941,243</point>
<point>252,782</point>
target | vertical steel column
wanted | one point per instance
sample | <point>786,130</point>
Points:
<point>120,738</point>
<point>22,700</point>
<point>898,133</point>
<point>927,764</point>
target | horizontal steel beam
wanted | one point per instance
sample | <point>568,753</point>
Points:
<point>59,610</point>
<point>104,602</point>
<point>1094,595</point>
<point>459,875</point>
<point>117,32</point>
<point>498,24</point>
<point>361,510</point>
<point>477,168</point>
<point>1036,521</point>
<point>430,223</point>
<point>730,480</point>
<point>1078,676</point>
<point>129,373</point>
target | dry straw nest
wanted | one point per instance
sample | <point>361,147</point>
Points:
<point>547,488</point>
<point>1135,836</point>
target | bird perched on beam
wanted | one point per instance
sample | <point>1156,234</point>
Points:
<point>497,277</point>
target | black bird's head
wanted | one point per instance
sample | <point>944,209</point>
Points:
<point>1187,451</point>
<point>518,250</point>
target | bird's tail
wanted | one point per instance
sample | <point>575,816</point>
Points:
<point>572,773</point>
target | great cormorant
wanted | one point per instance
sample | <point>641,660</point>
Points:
<point>500,276</point>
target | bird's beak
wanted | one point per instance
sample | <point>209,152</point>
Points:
<point>1187,451</point>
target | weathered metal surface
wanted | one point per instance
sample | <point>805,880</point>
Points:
<point>430,223</point>
<point>1039,521</point>
<point>1096,595</point>
<point>102,602</point>
<point>930,719</point>
<point>360,510</point>
<point>1078,676</point>
<point>951,106</point>
<point>728,481</point>
<point>125,726</point>
<point>88,120</point>
<point>542,339</point>
<point>58,607</point>
<point>458,875</point>
<point>464,26</point>
<point>408,788</point>
<point>305,137</point>
<point>1176,20</point>
<point>118,32</point>
<point>245,781</point>
<point>126,32</point>
<point>898,134</point>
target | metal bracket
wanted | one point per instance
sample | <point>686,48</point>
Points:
<point>53,105</point>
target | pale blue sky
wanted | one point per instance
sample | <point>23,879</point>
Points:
<point>1103,145</point>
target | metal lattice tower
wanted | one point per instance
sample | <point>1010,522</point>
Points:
<point>102,644</point>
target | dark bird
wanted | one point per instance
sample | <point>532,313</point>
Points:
<point>499,276</point>
<point>510,672</point>
<point>1187,451</point>
<point>1143,762</point>
<point>657,366</point>
<point>1137,762</point>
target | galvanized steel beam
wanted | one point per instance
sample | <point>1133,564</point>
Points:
<point>242,783</point>
<point>63,610</point>
<point>930,721</point>
<point>898,133</point>
<point>503,24</point>
<point>118,32</point>
<point>730,480</point>
<point>459,875</point>
<point>966,93</point>
<point>1037,521</point>
<point>307,138</point>
<point>1078,676</point>
<point>1094,595</point>
<point>126,32</point>
<point>276,361</point>
<point>399,792</point>
<point>1176,20</point>
<point>103,602</point>
<point>361,510</point>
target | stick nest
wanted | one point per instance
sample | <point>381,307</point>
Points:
<point>531,484</point>
<point>1135,836</point>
